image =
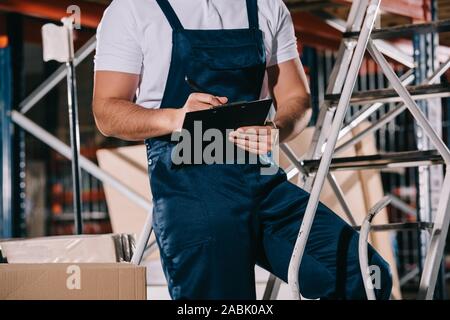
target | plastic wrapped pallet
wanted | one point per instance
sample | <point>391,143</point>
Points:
<point>110,248</point>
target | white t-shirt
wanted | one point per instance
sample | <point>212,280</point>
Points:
<point>135,37</point>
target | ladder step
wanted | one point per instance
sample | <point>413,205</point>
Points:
<point>420,92</point>
<point>406,30</point>
<point>381,161</point>
<point>400,226</point>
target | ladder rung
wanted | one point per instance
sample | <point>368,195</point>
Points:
<point>406,30</point>
<point>420,92</point>
<point>381,161</point>
<point>400,226</point>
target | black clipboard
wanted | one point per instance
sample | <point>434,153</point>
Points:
<point>231,116</point>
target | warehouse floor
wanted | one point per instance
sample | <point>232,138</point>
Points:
<point>157,288</point>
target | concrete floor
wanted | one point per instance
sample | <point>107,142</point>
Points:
<point>157,287</point>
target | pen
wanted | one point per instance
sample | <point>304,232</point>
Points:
<point>194,86</point>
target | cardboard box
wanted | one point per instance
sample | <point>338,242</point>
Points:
<point>118,281</point>
<point>108,248</point>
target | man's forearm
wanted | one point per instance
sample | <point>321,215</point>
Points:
<point>125,120</point>
<point>292,118</point>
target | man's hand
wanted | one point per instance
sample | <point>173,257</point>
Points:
<point>201,101</point>
<point>197,102</point>
<point>256,140</point>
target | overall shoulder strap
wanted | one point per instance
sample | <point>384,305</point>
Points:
<point>252,11</point>
<point>170,14</point>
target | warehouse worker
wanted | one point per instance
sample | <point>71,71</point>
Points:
<point>213,223</point>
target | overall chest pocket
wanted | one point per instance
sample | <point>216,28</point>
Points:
<point>227,57</point>
<point>231,71</point>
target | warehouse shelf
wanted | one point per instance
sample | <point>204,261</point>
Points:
<point>405,30</point>
<point>406,226</point>
<point>420,92</point>
<point>381,161</point>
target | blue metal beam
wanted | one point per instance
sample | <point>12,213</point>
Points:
<point>15,31</point>
<point>6,227</point>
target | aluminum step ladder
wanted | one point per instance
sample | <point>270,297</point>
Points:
<point>318,162</point>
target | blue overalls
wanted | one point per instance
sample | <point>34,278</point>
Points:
<point>213,223</point>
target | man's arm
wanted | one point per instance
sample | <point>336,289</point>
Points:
<point>289,89</point>
<point>117,116</point>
